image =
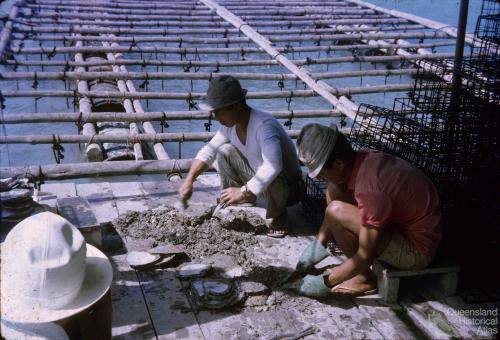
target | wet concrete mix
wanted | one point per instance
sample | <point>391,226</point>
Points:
<point>198,231</point>
<point>204,235</point>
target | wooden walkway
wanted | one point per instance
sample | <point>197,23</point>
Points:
<point>152,305</point>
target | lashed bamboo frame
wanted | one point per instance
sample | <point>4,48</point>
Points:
<point>264,7</point>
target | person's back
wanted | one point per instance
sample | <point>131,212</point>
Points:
<point>391,191</point>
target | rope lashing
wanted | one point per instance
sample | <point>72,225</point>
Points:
<point>197,58</point>
<point>180,145</point>
<point>173,172</point>
<point>2,101</point>
<point>191,103</point>
<point>187,67</point>
<point>289,122</point>
<point>41,178</point>
<point>79,123</point>
<point>183,54</point>
<point>281,82</point>
<point>57,149</point>
<point>240,26</point>
<point>75,97</point>
<point>132,45</point>
<point>208,124</point>
<point>289,100</point>
<point>343,120</point>
<point>163,122</point>
<point>35,81</point>
<point>51,54</point>
<point>217,68</point>
<point>145,83</point>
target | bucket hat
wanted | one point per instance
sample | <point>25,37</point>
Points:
<point>48,271</point>
<point>222,91</point>
<point>32,331</point>
<point>315,144</point>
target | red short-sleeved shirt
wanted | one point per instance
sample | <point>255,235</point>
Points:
<point>389,190</point>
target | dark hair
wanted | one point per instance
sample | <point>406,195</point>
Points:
<point>342,150</point>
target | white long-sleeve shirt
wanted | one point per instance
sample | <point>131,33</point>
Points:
<point>268,149</point>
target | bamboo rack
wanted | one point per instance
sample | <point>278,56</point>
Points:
<point>134,129</point>
<point>93,151</point>
<point>276,29</point>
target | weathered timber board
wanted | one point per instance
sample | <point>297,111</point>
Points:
<point>247,324</point>
<point>129,196</point>
<point>169,306</point>
<point>445,312</point>
<point>49,192</point>
<point>390,321</point>
<point>130,316</point>
<point>100,197</point>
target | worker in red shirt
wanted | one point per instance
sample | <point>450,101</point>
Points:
<point>378,206</point>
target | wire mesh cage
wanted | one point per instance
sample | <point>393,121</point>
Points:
<point>315,202</point>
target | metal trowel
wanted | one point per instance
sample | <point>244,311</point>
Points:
<point>181,204</point>
<point>218,207</point>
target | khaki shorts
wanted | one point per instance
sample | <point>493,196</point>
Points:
<point>401,254</point>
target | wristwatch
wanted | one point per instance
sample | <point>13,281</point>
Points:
<point>244,189</point>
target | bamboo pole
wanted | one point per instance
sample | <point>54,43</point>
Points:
<point>82,170</point>
<point>126,75</point>
<point>323,91</point>
<point>268,12</point>
<point>7,28</point>
<point>76,117</point>
<point>235,63</point>
<point>127,104</point>
<point>237,40</point>
<point>207,18</point>
<point>289,23</point>
<point>122,138</point>
<point>129,138</point>
<point>93,151</point>
<point>135,106</point>
<point>214,50</point>
<point>174,5</point>
<point>189,31</point>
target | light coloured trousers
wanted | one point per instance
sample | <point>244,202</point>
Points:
<point>235,171</point>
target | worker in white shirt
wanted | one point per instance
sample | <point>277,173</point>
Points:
<point>254,155</point>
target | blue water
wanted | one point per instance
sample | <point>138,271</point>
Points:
<point>445,11</point>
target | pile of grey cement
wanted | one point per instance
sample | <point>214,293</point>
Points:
<point>201,234</point>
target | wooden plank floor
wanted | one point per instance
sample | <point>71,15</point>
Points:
<point>152,305</point>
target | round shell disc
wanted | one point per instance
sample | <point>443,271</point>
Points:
<point>141,258</point>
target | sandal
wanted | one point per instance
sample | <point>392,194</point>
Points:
<point>278,227</point>
<point>347,293</point>
<point>277,232</point>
